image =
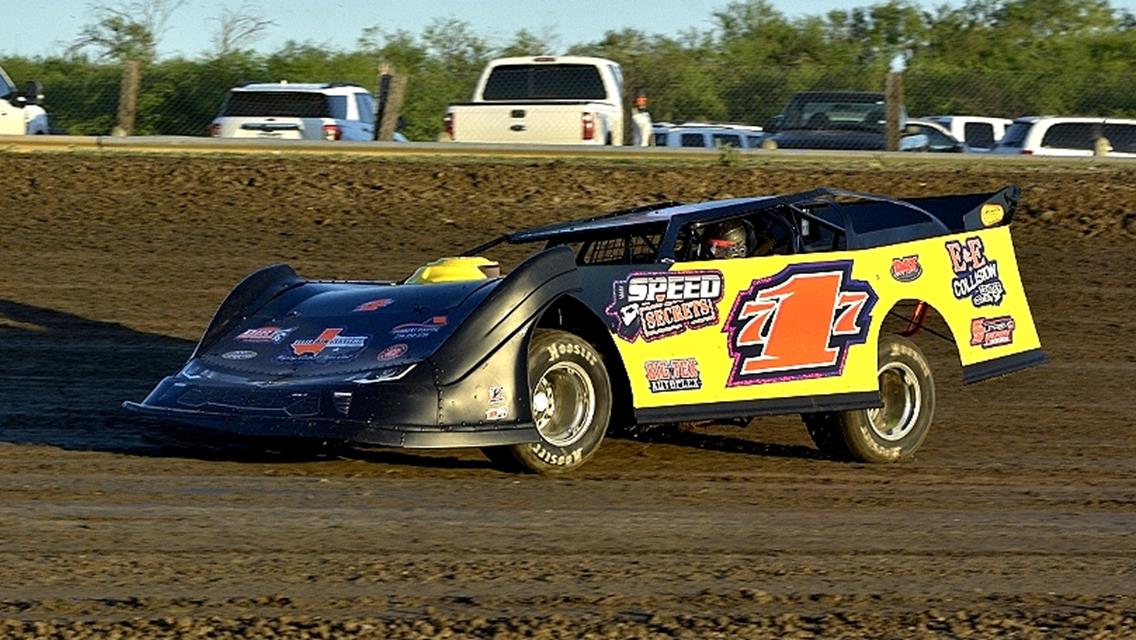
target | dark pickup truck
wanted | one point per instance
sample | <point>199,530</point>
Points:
<point>851,120</point>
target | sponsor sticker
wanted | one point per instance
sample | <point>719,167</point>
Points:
<point>239,355</point>
<point>329,346</point>
<point>373,305</point>
<point>676,374</point>
<point>798,324</point>
<point>273,335</point>
<point>497,395</point>
<point>906,269</point>
<point>992,332</point>
<point>659,304</point>
<point>991,214</point>
<point>394,351</point>
<point>417,330</point>
<point>976,275</point>
<point>496,413</point>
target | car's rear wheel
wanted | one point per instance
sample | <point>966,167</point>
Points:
<point>894,431</point>
<point>571,405</point>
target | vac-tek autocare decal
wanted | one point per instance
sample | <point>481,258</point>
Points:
<point>799,323</point>
<point>329,346</point>
<point>976,275</point>
<point>658,304</point>
<point>676,374</point>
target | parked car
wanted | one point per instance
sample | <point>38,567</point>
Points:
<point>939,139</point>
<point>542,100</point>
<point>1068,136</point>
<point>708,136</point>
<point>852,120</point>
<point>980,133</point>
<point>286,111</point>
<point>21,112</point>
<point>659,314</point>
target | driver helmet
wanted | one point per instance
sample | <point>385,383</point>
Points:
<point>729,239</point>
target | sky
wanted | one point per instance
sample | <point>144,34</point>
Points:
<point>46,27</point>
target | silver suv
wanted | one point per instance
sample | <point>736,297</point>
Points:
<point>286,111</point>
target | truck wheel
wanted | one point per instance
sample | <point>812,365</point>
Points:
<point>571,405</point>
<point>894,431</point>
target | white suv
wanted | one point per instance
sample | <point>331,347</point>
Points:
<point>701,135</point>
<point>286,111</point>
<point>1070,137</point>
<point>980,133</point>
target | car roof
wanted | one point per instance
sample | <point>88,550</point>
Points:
<point>299,87</point>
<point>1072,119</point>
<point>650,215</point>
<point>868,220</point>
<point>990,119</point>
<point>552,60</point>
<point>840,95</point>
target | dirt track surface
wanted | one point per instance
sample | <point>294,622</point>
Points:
<point>1016,520</point>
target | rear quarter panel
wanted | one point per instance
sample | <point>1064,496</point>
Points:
<point>794,326</point>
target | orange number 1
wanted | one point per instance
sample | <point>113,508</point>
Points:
<point>798,324</point>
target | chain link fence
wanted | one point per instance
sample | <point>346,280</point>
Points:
<point>184,97</point>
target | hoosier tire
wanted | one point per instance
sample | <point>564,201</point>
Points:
<point>571,406</point>
<point>894,431</point>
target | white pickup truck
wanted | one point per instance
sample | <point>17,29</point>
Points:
<point>20,113</point>
<point>542,100</point>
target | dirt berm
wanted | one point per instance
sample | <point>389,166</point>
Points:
<point>1016,520</point>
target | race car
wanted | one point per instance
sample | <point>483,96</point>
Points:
<point>654,315</point>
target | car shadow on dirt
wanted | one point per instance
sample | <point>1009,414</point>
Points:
<point>63,379</point>
<point>700,437</point>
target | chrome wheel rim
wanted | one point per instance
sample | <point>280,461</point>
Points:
<point>902,400</point>
<point>563,403</point>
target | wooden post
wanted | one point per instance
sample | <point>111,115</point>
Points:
<point>128,97</point>
<point>388,101</point>
<point>893,104</point>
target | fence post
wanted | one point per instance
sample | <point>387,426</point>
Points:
<point>893,103</point>
<point>128,97</point>
<point>391,91</point>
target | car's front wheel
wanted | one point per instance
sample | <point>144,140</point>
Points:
<point>571,405</point>
<point>893,431</point>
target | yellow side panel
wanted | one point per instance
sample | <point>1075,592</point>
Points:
<point>789,326</point>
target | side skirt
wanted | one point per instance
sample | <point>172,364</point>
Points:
<point>1002,366</point>
<point>746,408</point>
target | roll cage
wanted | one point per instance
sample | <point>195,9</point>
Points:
<point>823,219</point>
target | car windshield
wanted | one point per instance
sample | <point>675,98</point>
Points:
<point>284,104</point>
<point>521,82</point>
<point>6,86</point>
<point>864,115</point>
<point>1015,135</point>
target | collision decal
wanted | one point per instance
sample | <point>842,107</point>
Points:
<point>656,305</point>
<point>797,324</point>
<point>976,275</point>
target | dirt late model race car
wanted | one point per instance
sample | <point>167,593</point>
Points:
<point>660,314</point>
